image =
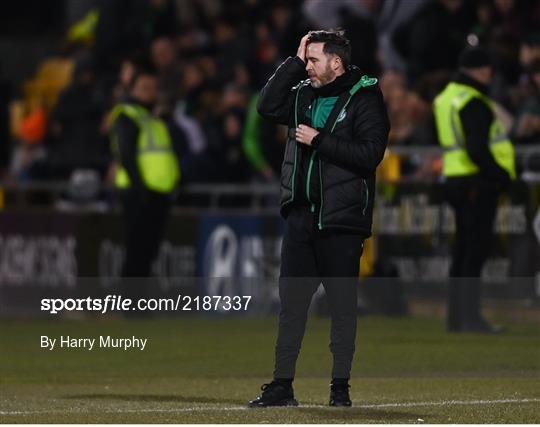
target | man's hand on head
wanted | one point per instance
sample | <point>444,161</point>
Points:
<point>305,134</point>
<point>302,48</point>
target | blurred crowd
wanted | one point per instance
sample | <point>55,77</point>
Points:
<point>213,56</point>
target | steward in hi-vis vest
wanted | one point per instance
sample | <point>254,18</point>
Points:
<point>456,159</point>
<point>146,174</point>
<point>478,163</point>
<point>156,160</point>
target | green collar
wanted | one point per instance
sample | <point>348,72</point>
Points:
<point>365,81</point>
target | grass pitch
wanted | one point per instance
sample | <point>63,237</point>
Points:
<point>203,370</point>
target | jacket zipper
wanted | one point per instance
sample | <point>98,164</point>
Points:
<point>311,159</point>
<point>320,223</point>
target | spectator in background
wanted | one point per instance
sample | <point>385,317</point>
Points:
<point>286,24</point>
<point>363,30</point>
<point>204,105</point>
<point>190,139</point>
<point>263,143</point>
<point>191,85</point>
<point>218,106</point>
<point>510,23</point>
<point>527,124</point>
<point>482,30</point>
<point>358,19</point>
<point>385,15</point>
<point>29,154</point>
<point>529,52</point>
<point>77,132</point>
<point>411,123</point>
<point>509,27</point>
<point>128,26</point>
<point>120,92</point>
<point>231,49</point>
<point>232,163</point>
<point>185,126</point>
<point>397,98</point>
<point>265,55</point>
<point>433,38</point>
<point>406,109</point>
<point>165,60</point>
<point>322,13</point>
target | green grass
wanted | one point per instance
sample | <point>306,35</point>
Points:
<point>203,370</point>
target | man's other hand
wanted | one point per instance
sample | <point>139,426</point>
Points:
<point>305,134</point>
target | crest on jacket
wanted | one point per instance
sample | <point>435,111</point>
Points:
<point>341,116</point>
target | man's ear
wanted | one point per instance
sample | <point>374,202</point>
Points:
<point>336,63</point>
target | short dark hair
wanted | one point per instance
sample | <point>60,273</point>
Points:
<point>335,43</point>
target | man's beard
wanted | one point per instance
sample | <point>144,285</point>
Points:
<point>325,78</point>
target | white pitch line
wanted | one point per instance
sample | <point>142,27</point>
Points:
<point>244,408</point>
<point>448,403</point>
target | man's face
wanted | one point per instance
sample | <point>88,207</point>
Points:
<point>484,75</point>
<point>145,89</point>
<point>528,53</point>
<point>319,65</point>
<point>162,53</point>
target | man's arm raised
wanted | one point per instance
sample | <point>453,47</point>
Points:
<point>276,98</point>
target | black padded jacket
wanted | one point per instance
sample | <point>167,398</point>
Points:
<point>347,152</point>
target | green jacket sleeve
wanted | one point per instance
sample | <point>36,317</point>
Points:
<point>251,142</point>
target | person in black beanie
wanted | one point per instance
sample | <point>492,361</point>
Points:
<point>478,164</point>
<point>338,132</point>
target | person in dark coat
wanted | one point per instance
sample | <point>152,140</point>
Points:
<point>338,131</point>
<point>77,137</point>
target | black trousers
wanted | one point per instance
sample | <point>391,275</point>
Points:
<point>309,257</point>
<point>145,216</point>
<point>475,205</point>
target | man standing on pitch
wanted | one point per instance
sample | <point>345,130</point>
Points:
<point>147,174</point>
<point>338,130</point>
<point>478,165</point>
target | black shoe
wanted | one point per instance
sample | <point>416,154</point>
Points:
<point>339,395</point>
<point>274,394</point>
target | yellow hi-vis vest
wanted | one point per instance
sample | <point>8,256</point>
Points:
<point>456,160</point>
<point>84,30</point>
<point>156,159</point>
